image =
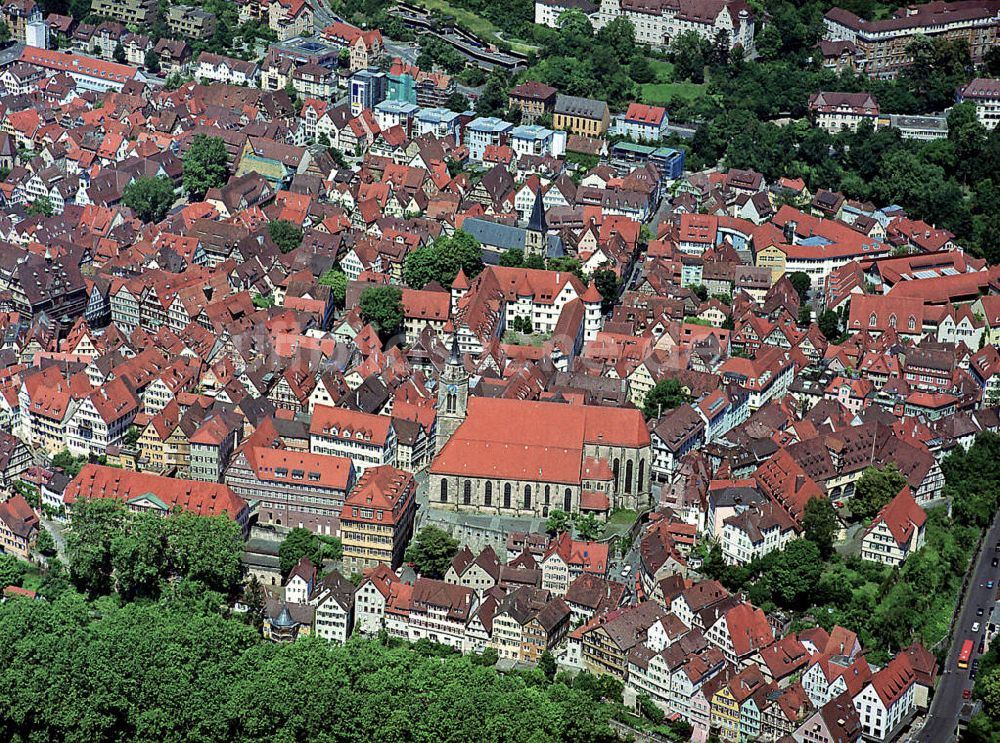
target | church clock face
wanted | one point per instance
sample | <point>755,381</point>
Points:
<point>452,388</point>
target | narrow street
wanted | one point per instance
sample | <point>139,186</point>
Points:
<point>942,717</point>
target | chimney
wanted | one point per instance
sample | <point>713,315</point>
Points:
<point>800,480</point>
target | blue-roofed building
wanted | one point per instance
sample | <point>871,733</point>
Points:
<point>441,122</point>
<point>531,139</point>
<point>496,238</point>
<point>367,90</point>
<point>670,162</point>
<point>390,113</point>
<point>485,131</point>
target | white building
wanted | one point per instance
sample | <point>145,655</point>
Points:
<point>333,598</point>
<point>440,612</point>
<point>985,93</point>
<point>225,70</point>
<point>886,702</point>
<point>896,532</point>
<point>101,419</point>
<point>757,530</point>
<point>367,440</point>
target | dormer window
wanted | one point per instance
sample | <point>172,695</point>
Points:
<point>872,321</point>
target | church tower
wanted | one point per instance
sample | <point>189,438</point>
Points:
<point>534,236</point>
<point>453,396</point>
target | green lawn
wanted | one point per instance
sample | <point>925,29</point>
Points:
<point>664,90</point>
<point>476,24</point>
<point>623,517</point>
<point>32,578</point>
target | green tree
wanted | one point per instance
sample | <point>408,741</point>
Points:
<point>163,655</point>
<point>489,657</point>
<point>688,51</point>
<point>795,573</point>
<point>206,549</point>
<point>12,571</point>
<point>382,306</point>
<point>587,526</point>
<point>89,545</point>
<point>151,61</point>
<point>431,552</point>
<point>42,205</point>
<point>665,395</point>
<point>149,197</point>
<point>45,544</point>
<point>547,664</point>
<point>607,284</point>
<point>968,138</point>
<point>4,32</point>
<point>138,556</point>
<point>205,165</point>
<point>801,283</point>
<point>441,260</point>
<point>558,522</point>
<point>118,55</point>
<point>457,102</point>
<point>255,599</point>
<point>513,258</point>
<point>988,689</point>
<point>820,524</point>
<point>649,709</point>
<point>493,100</point>
<point>829,325</point>
<point>286,235</point>
<point>337,281</point>
<point>298,544</point>
<point>875,489</point>
<point>69,464</point>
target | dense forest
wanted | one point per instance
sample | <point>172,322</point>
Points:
<point>173,672</point>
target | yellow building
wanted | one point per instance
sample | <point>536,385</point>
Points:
<point>376,522</point>
<point>774,258</point>
<point>584,116</point>
<point>726,714</point>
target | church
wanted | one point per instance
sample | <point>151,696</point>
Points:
<point>527,458</point>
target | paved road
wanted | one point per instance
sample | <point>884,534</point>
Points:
<point>942,718</point>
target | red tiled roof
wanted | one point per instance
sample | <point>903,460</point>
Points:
<point>385,489</point>
<point>350,424</point>
<point>643,114</point>
<point>79,64</point>
<point>194,496</point>
<point>902,515</point>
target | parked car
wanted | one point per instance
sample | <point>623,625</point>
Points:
<point>975,626</point>
<point>966,693</point>
<point>979,611</point>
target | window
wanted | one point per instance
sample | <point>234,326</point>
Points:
<point>444,490</point>
<point>568,500</point>
<point>892,320</point>
<point>488,497</point>
<point>548,494</point>
<point>467,492</point>
<point>872,320</point>
<point>911,323</point>
<point>628,476</point>
<point>527,497</point>
<point>506,495</point>
<point>450,404</point>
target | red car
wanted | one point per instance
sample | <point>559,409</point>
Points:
<point>966,693</point>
